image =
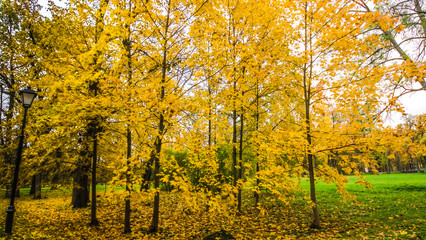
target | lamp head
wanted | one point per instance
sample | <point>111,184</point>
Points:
<point>27,96</point>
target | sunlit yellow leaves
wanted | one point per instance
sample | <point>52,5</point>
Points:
<point>295,75</point>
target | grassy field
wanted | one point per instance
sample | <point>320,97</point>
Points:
<point>395,208</point>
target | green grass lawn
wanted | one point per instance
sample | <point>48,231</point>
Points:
<point>394,208</point>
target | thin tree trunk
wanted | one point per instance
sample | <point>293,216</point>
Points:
<point>158,145</point>
<point>159,139</point>
<point>398,163</point>
<point>94,123</point>
<point>421,14</point>
<point>94,221</point>
<point>240,171</point>
<point>156,209</point>
<point>128,45</point>
<point>411,162</point>
<point>316,221</point>
<point>389,166</point>
<point>210,114</point>
<point>209,188</point>
<point>390,37</point>
<point>32,190</point>
<point>1,118</point>
<point>8,155</point>
<point>234,140</point>
<point>257,192</point>
<point>127,227</point>
<point>417,164</point>
<point>307,97</point>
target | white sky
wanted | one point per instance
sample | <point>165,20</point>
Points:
<point>45,5</point>
<point>413,103</point>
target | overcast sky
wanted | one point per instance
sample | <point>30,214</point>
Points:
<point>414,104</point>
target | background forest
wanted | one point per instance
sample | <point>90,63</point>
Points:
<point>219,105</point>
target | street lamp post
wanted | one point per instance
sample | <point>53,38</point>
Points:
<point>27,96</point>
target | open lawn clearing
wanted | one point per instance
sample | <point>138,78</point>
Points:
<point>395,208</point>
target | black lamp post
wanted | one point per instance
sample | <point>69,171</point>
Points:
<point>27,96</point>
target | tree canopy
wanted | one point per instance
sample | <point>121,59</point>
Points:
<point>211,98</point>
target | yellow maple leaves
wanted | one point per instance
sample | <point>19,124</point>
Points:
<point>187,76</point>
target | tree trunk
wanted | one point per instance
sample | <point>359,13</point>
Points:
<point>398,163</point>
<point>389,36</point>
<point>9,155</point>
<point>94,221</point>
<point>127,227</point>
<point>411,162</point>
<point>234,148</point>
<point>240,171</point>
<point>148,172</point>
<point>37,186</point>
<point>421,13</point>
<point>417,164</point>
<point>316,222</point>
<point>389,166</point>
<point>257,190</point>
<point>307,81</point>
<point>159,139</point>
<point>80,192</point>
<point>94,128</point>
<point>8,192</point>
<point>156,210</point>
<point>32,190</point>
<point>128,45</point>
<point>210,114</point>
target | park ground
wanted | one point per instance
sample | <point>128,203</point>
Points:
<point>394,208</point>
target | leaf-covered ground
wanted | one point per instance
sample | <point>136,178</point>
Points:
<point>395,208</point>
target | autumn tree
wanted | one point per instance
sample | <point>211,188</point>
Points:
<point>72,54</point>
<point>219,97</point>
<point>404,144</point>
<point>132,91</point>
<point>401,26</point>
<point>226,45</point>
<point>166,50</point>
<point>10,25</point>
<point>17,64</point>
<point>329,69</point>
